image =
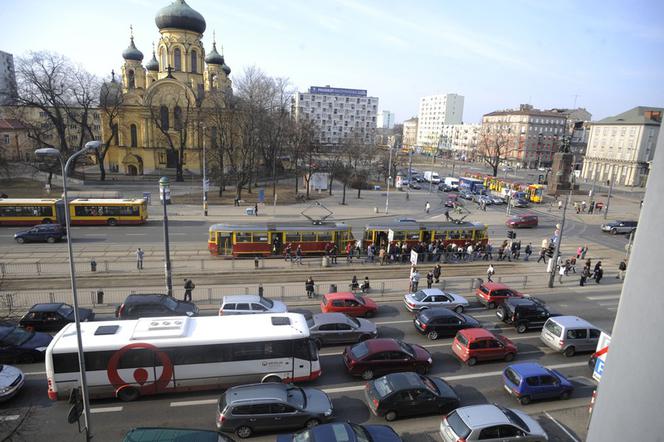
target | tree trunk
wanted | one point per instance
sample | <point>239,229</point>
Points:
<point>343,198</point>
<point>238,191</point>
<point>49,179</point>
<point>297,182</point>
<point>274,177</point>
<point>329,185</point>
<point>306,183</point>
<point>102,171</point>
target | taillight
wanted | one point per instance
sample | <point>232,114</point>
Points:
<point>514,317</point>
<point>561,344</point>
<point>121,310</point>
<point>423,325</point>
<point>375,403</point>
<point>221,418</point>
<point>52,395</point>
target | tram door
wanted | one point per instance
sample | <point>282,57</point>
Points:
<point>381,240</point>
<point>277,241</point>
<point>224,243</point>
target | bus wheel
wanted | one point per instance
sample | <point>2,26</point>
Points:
<point>112,222</point>
<point>271,378</point>
<point>127,394</point>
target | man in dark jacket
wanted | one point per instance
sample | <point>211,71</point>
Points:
<point>188,287</point>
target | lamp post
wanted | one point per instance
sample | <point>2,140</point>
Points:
<point>556,252</point>
<point>608,198</point>
<point>51,152</point>
<point>389,178</point>
<point>164,191</point>
<point>205,181</point>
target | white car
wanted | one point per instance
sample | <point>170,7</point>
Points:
<point>11,381</point>
<point>428,298</point>
<point>490,423</point>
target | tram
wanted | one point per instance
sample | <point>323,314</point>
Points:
<point>414,232</point>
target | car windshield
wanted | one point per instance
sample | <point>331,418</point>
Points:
<point>360,433</point>
<point>354,321</point>
<point>297,397</point>
<point>65,310</point>
<point>383,386</point>
<point>429,384</point>
<point>359,299</point>
<point>304,436</point>
<point>515,419</point>
<point>360,350</point>
<point>419,296</point>
<point>458,425</point>
<point>407,348</point>
<point>266,302</point>
<point>169,302</point>
<point>17,336</point>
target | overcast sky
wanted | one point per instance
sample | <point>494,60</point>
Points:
<point>608,56</point>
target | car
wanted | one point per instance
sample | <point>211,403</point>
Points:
<point>12,380</point>
<point>497,200</point>
<point>490,422</point>
<point>271,406</point>
<point>163,434</point>
<point>616,227</point>
<point>528,380</point>
<point>343,432</point>
<point>49,233</point>
<point>415,186</point>
<point>569,335</point>
<point>519,221</point>
<point>339,328</point>
<point>524,314</point>
<point>492,294</point>
<point>437,322</point>
<point>349,303</point>
<point>427,298</point>
<point>442,187</point>
<point>398,395</point>
<point>472,345</point>
<point>465,195</point>
<point>250,304</point>
<point>22,346</point>
<point>384,355</point>
<point>154,305</point>
<point>51,317</point>
<point>482,199</point>
<point>519,202</point>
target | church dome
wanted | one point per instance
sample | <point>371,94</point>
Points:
<point>153,64</point>
<point>224,67</point>
<point>132,53</point>
<point>180,15</point>
<point>213,57</point>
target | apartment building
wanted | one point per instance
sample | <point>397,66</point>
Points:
<point>409,137</point>
<point>436,111</point>
<point>459,141</point>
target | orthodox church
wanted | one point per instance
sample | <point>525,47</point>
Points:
<point>152,105</point>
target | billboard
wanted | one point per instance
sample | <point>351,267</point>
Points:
<point>338,91</point>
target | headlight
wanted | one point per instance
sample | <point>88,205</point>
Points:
<point>4,390</point>
<point>41,349</point>
<point>429,360</point>
<point>328,413</point>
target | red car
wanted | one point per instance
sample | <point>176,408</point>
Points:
<point>478,344</point>
<point>518,221</point>
<point>348,303</point>
<point>491,294</point>
<point>380,356</point>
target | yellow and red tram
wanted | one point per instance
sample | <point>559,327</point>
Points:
<point>415,232</point>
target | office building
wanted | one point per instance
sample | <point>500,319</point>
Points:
<point>8,92</point>
<point>385,120</point>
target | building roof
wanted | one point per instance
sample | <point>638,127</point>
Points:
<point>525,111</point>
<point>180,15</point>
<point>132,52</point>
<point>641,115</point>
<point>10,124</point>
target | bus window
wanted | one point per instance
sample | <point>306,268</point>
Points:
<point>292,237</point>
<point>259,237</point>
<point>242,237</point>
<point>308,236</point>
<point>26,211</point>
<point>325,236</point>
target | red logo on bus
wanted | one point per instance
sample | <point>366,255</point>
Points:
<point>141,374</point>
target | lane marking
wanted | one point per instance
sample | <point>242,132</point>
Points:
<point>603,297</point>
<point>105,409</point>
<point>561,427</point>
<point>35,373</point>
<point>609,304</point>
<point>135,234</point>
<point>199,402</point>
<point>11,417</point>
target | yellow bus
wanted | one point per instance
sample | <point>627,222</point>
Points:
<point>88,211</point>
<point>536,193</point>
<point>30,211</point>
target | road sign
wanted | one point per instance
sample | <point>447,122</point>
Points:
<point>602,350</point>
<point>206,185</point>
<point>413,257</point>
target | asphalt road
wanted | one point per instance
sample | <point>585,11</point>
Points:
<point>479,384</point>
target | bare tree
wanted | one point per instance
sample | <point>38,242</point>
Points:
<point>495,146</point>
<point>110,102</point>
<point>219,118</point>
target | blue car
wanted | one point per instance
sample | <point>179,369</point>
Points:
<point>343,432</point>
<point>530,381</point>
<point>21,346</point>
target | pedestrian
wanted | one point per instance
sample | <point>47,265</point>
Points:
<point>139,258</point>
<point>414,280</point>
<point>583,206</point>
<point>334,252</point>
<point>591,207</point>
<point>188,287</point>
<point>447,215</point>
<point>349,253</point>
<point>578,252</point>
<point>585,273</point>
<point>354,285</point>
<point>365,285</point>
<point>528,251</point>
<point>256,209</point>
<point>621,270</point>
<point>429,279</point>
<point>561,272</point>
<point>572,264</point>
<point>381,255</point>
<point>488,255</point>
<point>470,251</point>
<point>560,204</point>
<point>309,286</point>
<point>427,207</point>
<point>584,251</point>
<point>370,253</point>
<point>490,272</point>
<point>542,255</point>
<point>289,253</point>
<point>598,272</point>
<point>437,271</point>
<point>298,254</point>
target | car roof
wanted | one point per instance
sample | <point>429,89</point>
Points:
<point>477,333</point>
<point>340,295</point>
<point>404,380</point>
<point>438,312</point>
<point>525,301</point>
<point>136,298</point>
<point>329,318</point>
<point>46,307</point>
<point>495,285</point>
<point>480,416</point>
<point>157,434</point>
<point>431,291</point>
<point>382,344</point>
<point>240,298</point>
<point>572,321</point>
<point>252,392</point>
<point>526,369</point>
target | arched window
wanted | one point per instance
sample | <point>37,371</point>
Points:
<point>177,118</point>
<point>177,59</point>
<point>133,134</point>
<point>164,62</point>
<point>131,81</point>
<point>194,62</point>
<point>163,113</point>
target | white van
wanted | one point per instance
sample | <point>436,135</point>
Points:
<point>431,177</point>
<point>569,335</point>
<point>452,183</point>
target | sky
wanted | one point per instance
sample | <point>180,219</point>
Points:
<point>606,56</point>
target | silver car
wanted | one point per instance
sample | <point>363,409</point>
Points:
<point>490,423</point>
<point>497,199</point>
<point>339,328</point>
<point>250,304</point>
<point>427,298</point>
<point>11,381</point>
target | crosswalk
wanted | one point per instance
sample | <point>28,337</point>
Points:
<point>610,302</point>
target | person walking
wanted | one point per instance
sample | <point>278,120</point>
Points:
<point>542,256</point>
<point>528,251</point>
<point>490,272</point>
<point>437,271</point>
<point>579,251</point>
<point>584,251</point>
<point>621,270</point>
<point>585,274</point>
<point>298,254</point>
<point>598,272</point>
<point>354,285</point>
<point>447,215</point>
<point>188,287</point>
<point>414,280</point>
<point>427,207</point>
<point>256,209</point>
<point>289,253</point>
<point>429,279</point>
<point>309,285</point>
<point>561,272</point>
<point>349,253</point>
<point>139,258</point>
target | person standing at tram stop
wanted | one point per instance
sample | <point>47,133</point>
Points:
<point>309,285</point>
<point>298,254</point>
<point>429,279</point>
<point>188,287</point>
<point>414,280</point>
<point>349,252</point>
<point>139,258</point>
<point>427,207</point>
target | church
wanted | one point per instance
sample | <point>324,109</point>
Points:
<point>153,114</point>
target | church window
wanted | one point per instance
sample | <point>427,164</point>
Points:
<point>177,118</point>
<point>131,81</point>
<point>177,59</point>
<point>133,133</point>
<point>194,62</point>
<point>162,55</point>
<point>163,113</point>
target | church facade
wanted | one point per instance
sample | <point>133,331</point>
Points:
<point>153,114</point>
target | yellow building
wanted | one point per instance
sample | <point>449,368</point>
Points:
<point>158,109</point>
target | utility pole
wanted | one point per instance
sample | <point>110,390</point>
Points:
<point>164,185</point>
<point>389,178</point>
<point>433,163</point>
<point>608,198</point>
<point>556,252</point>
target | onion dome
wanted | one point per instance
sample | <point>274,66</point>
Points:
<point>180,15</point>
<point>213,57</point>
<point>224,67</point>
<point>132,53</point>
<point>153,64</point>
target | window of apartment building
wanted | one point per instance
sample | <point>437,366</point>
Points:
<point>5,138</point>
<point>632,131</point>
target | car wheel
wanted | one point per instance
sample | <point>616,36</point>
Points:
<point>128,394</point>
<point>614,232</point>
<point>390,416</point>
<point>491,305</point>
<point>312,423</point>
<point>522,328</point>
<point>367,375</point>
<point>565,395</point>
<point>524,400</point>
<point>509,357</point>
<point>243,432</point>
<point>369,314</point>
<point>20,240</point>
<point>569,352</point>
<point>50,240</point>
<point>502,312</point>
<point>318,343</point>
<point>458,309</point>
<point>271,378</point>
<point>433,335</point>
<point>471,361</point>
<point>112,222</point>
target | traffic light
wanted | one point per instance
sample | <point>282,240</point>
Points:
<point>549,251</point>
<point>511,234</point>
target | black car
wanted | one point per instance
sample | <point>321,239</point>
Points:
<point>49,233</point>
<point>524,313</point>
<point>19,345</point>
<point>52,317</point>
<point>415,186</point>
<point>437,322</point>
<point>409,394</point>
<point>154,305</point>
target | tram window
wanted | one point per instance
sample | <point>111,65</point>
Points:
<point>213,235</point>
<point>413,236</point>
<point>242,237</point>
<point>308,236</point>
<point>324,236</point>
<point>439,234</point>
<point>453,234</point>
<point>466,234</point>
<point>259,236</point>
<point>367,235</point>
<point>399,236</point>
<point>292,237</point>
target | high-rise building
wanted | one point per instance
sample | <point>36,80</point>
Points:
<point>385,120</point>
<point>620,148</point>
<point>435,112</point>
<point>410,132</point>
<point>8,91</point>
<point>339,113</point>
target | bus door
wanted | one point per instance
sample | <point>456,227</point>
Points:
<point>277,241</point>
<point>224,243</point>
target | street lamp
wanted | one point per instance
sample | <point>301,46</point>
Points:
<point>52,152</point>
<point>205,181</point>
<point>389,178</point>
<point>556,252</point>
<point>165,193</point>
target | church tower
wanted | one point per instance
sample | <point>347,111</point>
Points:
<point>133,74</point>
<point>153,68</point>
<point>216,71</point>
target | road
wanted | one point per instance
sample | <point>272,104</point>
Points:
<point>478,384</point>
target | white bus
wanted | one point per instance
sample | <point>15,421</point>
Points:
<point>130,358</point>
